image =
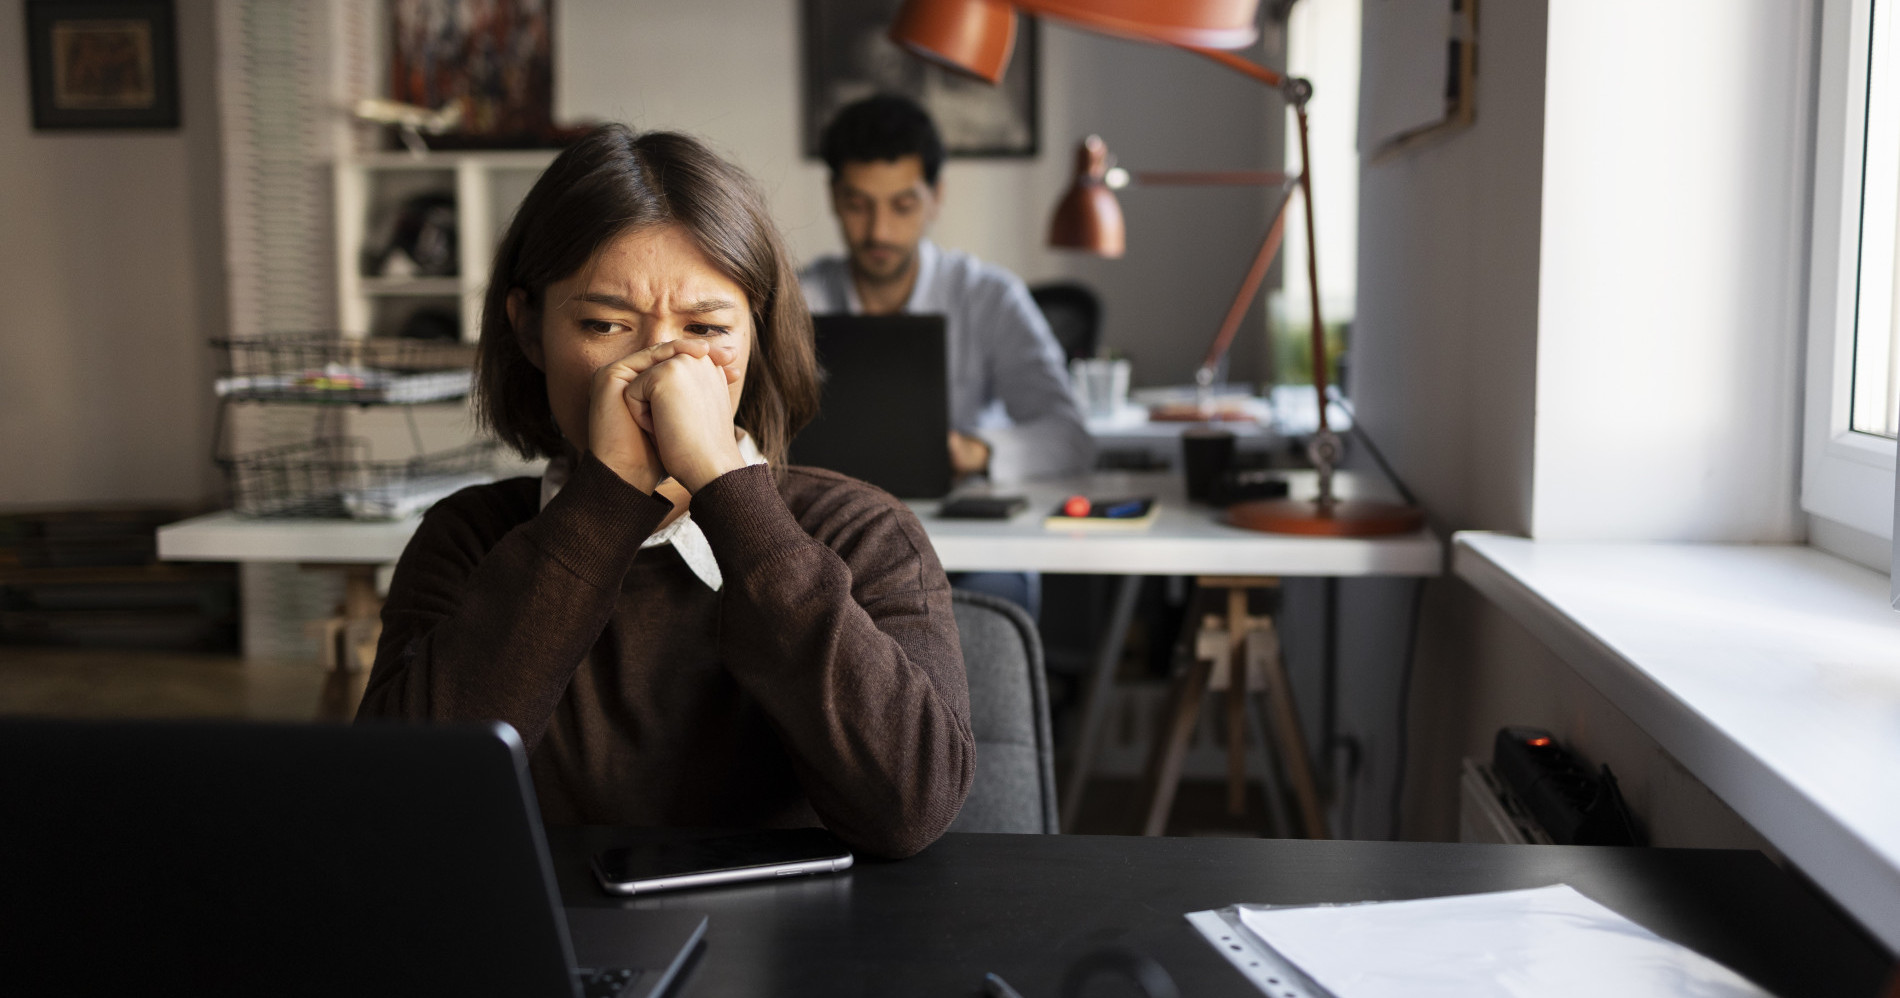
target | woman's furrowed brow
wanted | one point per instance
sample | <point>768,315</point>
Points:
<point>705,305</point>
<point>609,300</point>
<point>701,306</point>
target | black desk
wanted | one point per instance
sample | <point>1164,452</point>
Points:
<point>1025,906</point>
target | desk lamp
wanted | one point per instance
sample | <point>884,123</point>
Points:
<point>975,37</point>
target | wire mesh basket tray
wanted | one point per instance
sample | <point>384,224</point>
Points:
<point>336,479</point>
<point>327,368</point>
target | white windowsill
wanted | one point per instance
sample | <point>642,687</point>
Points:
<point>1772,672</point>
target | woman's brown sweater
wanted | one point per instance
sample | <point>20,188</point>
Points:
<point>824,683</point>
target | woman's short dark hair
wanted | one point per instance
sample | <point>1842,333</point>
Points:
<point>613,181</point>
<point>882,127</point>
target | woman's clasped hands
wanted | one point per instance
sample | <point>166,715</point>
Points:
<point>666,412</point>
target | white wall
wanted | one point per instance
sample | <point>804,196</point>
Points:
<point>1576,318</point>
<point>652,65</point>
<point>1676,144</point>
<point>110,284</point>
<point>1444,368</point>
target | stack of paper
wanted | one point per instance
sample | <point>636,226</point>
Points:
<point>1550,942</point>
<point>337,383</point>
<point>409,497</point>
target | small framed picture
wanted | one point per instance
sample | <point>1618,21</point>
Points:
<point>848,57</point>
<point>102,64</point>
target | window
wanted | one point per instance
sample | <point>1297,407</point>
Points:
<point>1876,383</point>
<point>1322,45</point>
<point>1853,390</point>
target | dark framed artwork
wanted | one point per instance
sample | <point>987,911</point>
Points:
<point>494,57</point>
<point>848,57</point>
<point>102,64</point>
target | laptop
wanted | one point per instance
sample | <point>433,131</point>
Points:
<point>225,858</point>
<point>885,414</point>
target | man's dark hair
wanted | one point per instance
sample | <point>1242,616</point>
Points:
<point>884,127</point>
<point>613,181</point>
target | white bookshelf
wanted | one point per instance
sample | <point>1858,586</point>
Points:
<point>486,187</point>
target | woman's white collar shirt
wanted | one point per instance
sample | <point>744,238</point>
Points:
<point>683,533</point>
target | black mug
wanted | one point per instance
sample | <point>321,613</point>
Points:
<point>1206,455</point>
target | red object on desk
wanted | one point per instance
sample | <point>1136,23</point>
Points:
<point>1077,506</point>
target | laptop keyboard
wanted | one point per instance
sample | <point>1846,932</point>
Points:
<point>613,982</point>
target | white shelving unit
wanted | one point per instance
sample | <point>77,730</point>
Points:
<point>486,187</point>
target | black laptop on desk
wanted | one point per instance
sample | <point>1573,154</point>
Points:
<point>885,416</point>
<point>215,858</point>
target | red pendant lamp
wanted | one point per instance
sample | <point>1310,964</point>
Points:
<point>975,36</point>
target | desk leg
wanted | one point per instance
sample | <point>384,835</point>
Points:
<point>1238,675</point>
<point>1164,773</point>
<point>1293,746</point>
<point>1099,696</point>
<point>349,638</point>
<point>1263,736</point>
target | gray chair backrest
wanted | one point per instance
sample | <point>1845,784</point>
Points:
<point>1015,785</point>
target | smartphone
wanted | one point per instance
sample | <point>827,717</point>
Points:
<point>982,507</point>
<point>648,867</point>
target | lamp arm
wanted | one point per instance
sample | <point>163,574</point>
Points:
<point>1210,178</point>
<point>1325,447</point>
<point>1249,285</point>
<point>1312,290</point>
<point>1295,89</point>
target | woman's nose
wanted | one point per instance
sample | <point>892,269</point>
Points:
<point>653,334</point>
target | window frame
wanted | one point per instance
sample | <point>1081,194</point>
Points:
<point>1847,476</point>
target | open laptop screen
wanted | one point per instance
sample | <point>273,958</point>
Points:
<point>885,417</point>
<point>220,858</point>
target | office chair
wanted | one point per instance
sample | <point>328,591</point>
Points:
<point>1075,316</point>
<point>1015,785</point>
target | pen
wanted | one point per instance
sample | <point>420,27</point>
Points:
<point>996,987</point>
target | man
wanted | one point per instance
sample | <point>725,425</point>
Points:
<point>1011,414</point>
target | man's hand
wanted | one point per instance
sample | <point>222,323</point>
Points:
<point>968,455</point>
<point>614,434</point>
<point>684,405</point>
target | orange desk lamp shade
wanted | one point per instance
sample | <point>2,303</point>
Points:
<point>975,36</point>
<point>1088,218</point>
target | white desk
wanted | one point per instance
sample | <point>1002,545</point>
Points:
<point>227,536</point>
<point>1185,539</point>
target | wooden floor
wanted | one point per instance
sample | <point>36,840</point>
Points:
<point>77,682</point>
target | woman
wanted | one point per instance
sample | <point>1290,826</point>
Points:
<point>683,630</point>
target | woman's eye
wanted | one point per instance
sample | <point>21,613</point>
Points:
<point>702,329</point>
<point>601,327</point>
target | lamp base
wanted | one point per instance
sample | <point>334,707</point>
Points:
<point>1344,518</point>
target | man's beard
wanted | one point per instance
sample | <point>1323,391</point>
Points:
<point>900,264</point>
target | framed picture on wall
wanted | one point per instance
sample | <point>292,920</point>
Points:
<point>848,56</point>
<point>102,64</point>
<point>495,58</point>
